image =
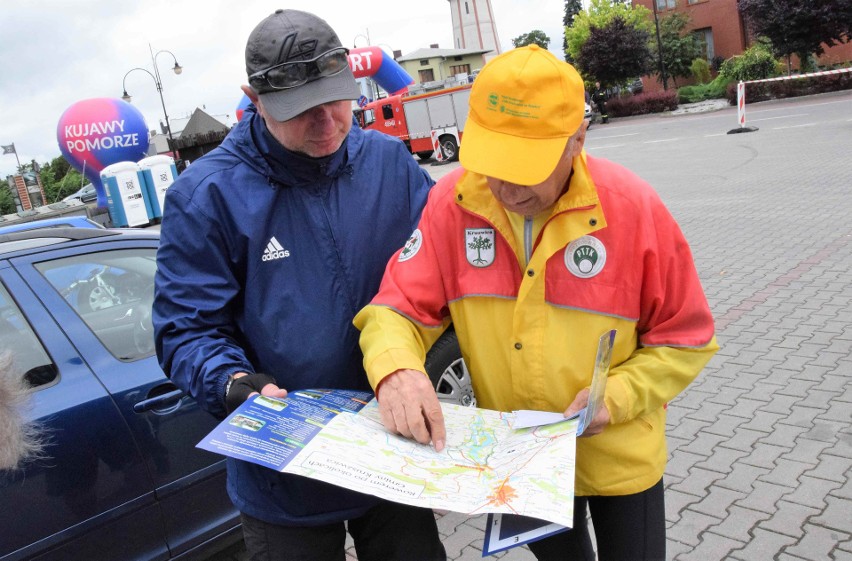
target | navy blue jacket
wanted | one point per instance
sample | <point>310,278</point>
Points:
<point>265,257</point>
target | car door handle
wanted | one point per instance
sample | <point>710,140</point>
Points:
<point>161,401</point>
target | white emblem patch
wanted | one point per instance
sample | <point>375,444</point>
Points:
<point>479,246</point>
<point>412,246</point>
<point>585,257</point>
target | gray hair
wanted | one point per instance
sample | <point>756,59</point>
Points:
<point>20,440</point>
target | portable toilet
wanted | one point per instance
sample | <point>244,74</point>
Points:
<point>127,200</point>
<point>159,173</point>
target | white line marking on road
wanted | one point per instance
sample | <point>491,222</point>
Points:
<point>615,136</point>
<point>781,117</point>
<point>663,140</point>
<point>608,146</point>
<point>794,126</point>
<point>719,134</point>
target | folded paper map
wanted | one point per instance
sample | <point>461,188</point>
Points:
<point>337,436</point>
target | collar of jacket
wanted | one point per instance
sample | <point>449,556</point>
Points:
<point>473,194</point>
<point>283,167</point>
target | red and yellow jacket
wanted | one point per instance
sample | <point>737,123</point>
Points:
<point>610,256</point>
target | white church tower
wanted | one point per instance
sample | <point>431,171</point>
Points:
<point>474,26</point>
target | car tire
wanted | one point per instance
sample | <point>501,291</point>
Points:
<point>448,372</point>
<point>425,155</point>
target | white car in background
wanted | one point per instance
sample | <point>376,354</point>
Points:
<point>86,194</point>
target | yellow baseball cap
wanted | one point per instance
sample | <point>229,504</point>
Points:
<point>524,106</point>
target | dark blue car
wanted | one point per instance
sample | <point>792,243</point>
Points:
<point>120,477</point>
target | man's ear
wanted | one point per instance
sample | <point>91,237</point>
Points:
<point>255,99</point>
<point>250,93</point>
<point>579,139</point>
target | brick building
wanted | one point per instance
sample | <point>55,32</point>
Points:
<point>722,31</point>
<point>27,191</point>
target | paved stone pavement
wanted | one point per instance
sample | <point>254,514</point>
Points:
<point>761,443</point>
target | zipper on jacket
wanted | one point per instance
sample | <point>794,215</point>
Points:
<point>528,239</point>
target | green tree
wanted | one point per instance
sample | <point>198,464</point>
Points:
<point>700,69</point>
<point>7,201</point>
<point>572,8</point>
<point>59,179</point>
<point>616,52</point>
<point>600,13</point>
<point>680,47</point>
<point>798,26</point>
<point>536,36</point>
<point>756,63</point>
<point>48,182</point>
<point>60,166</point>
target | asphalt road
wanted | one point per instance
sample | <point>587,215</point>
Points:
<point>760,444</point>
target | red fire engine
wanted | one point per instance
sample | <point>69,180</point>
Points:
<point>424,122</point>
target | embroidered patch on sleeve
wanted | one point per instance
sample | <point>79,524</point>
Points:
<point>412,246</point>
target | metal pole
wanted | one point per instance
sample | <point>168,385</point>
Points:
<point>159,84</point>
<point>659,47</point>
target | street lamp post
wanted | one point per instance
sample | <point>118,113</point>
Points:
<point>159,83</point>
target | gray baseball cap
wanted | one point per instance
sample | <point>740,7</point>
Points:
<point>293,36</point>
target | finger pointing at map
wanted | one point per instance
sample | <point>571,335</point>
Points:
<point>408,406</point>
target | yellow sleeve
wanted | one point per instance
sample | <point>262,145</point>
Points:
<point>391,342</point>
<point>651,377</point>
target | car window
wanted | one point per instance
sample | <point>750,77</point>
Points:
<point>18,338</point>
<point>112,292</point>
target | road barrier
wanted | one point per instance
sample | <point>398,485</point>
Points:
<point>741,96</point>
<point>436,146</point>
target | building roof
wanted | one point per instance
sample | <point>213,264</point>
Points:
<point>445,53</point>
<point>201,123</point>
<point>198,125</point>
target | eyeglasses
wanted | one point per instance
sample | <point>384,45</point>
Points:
<point>292,74</point>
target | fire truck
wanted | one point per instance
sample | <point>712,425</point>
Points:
<point>425,122</point>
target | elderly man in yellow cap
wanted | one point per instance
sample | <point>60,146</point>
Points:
<point>533,250</point>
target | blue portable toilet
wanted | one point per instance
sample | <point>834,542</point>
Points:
<point>159,173</point>
<point>127,200</point>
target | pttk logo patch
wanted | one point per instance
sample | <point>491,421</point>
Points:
<point>585,257</point>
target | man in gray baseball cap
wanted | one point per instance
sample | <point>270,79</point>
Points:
<point>294,62</point>
<point>269,245</point>
<point>299,74</point>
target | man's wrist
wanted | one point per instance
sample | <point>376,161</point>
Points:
<point>230,381</point>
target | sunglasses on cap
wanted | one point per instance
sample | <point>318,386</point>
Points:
<point>291,74</point>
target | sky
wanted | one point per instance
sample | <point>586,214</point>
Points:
<point>54,53</point>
